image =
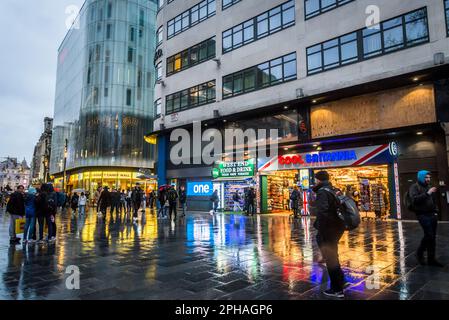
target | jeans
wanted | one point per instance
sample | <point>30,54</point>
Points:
<point>28,231</point>
<point>51,226</point>
<point>12,226</point>
<point>41,222</point>
<point>173,210</point>
<point>327,241</point>
<point>184,208</point>
<point>251,208</point>
<point>429,225</point>
<point>82,210</point>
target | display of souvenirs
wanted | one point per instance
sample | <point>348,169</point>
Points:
<point>279,187</point>
<point>229,189</point>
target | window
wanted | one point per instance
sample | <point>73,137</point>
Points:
<point>157,108</point>
<point>159,71</point>
<point>446,7</point>
<point>95,96</point>
<point>160,4</point>
<point>189,18</point>
<point>314,8</point>
<point>388,36</point>
<point>132,34</point>
<point>108,31</point>
<point>190,98</point>
<point>160,36</point>
<point>128,97</point>
<point>270,22</point>
<point>264,75</point>
<point>109,10</point>
<point>229,3</point>
<point>130,55</point>
<point>141,18</point>
<point>192,56</point>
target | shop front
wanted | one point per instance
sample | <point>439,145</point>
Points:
<point>233,177</point>
<point>368,174</point>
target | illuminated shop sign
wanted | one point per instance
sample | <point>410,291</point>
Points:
<point>327,159</point>
<point>199,189</point>
<point>238,169</point>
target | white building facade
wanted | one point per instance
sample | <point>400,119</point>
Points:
<point>14,173</point>
<point>364,71</point>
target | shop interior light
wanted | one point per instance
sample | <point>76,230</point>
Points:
<point>420,133</point>
<point>415,79</point>
<point>313,101</point>
<point>285,107</point>
<point>319,148</point>
<point>286,149</point>
<point>315,145</point>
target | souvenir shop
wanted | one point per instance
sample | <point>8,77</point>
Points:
<point>367,174</point>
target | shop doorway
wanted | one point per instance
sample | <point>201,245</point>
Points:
<point>280,185</point>
<point>368,186</point>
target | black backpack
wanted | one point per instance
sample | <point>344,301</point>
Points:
<point>172,196</point>
<point>347,210</point>
<point>51,204</point>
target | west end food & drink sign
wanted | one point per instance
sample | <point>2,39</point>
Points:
<point>237,169</point>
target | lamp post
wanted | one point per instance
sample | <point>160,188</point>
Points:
<point>65,163</point>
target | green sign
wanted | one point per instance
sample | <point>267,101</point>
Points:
<point>238,169</point>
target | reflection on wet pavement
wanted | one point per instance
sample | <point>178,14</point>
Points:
<point>217,257</point>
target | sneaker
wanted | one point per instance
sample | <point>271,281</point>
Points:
<point>332,294</point>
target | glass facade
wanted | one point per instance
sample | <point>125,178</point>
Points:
<point>402,32</point>
<point>104,88</point>
<point>446,10</point>
<point>190,98</point>
<point>229,3</point>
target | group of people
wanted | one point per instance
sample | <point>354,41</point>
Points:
<point>168,199</point>
<point>330,228</point>
<point>39,207</point>
<point>249,201</point>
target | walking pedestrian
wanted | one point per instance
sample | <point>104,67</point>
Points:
<point>30,215</point>
<point>152,197</point>
<point>296,202</point>
<point>97,195</point>
<point>215,199</point>
<point>115,203</point>
<point>251,198</point>
<point>172,196</point>
<point>330,230</point>
<point>183,200</point>
<point>82,202</point>
<point>16,210</point>
<point>122,201</point>
<point>52,207</point>
<point>424,204</point>
<point>74,203</point>
<point>136,199</point>
<point>105,201</point>
<point>162,198</point>
<point>236,199</point>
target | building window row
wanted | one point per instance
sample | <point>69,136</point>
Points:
<point>192,56</point>
<point>395,34</point>
<point>229,3</point>
<point>190,98</point>
<point>263,25</point>
<point>191,17</point>
<point>264,75</point>
<point>314,8</point>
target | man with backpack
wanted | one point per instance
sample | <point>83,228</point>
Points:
<point>296,202</point>
<point>251,198</point>
<point>330,229</point>
<point>215,199</point>
<point>422,200</point>
<point>172,196</point>
<point>16,210</point>
<point>183,200</point>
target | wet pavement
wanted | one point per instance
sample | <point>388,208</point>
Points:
<point>223,257</point>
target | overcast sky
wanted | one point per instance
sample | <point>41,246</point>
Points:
<point>30,34</point>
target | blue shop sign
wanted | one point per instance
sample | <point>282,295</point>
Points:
<point>200,189</point>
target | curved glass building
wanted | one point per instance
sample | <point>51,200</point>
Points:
<point>104,96</point>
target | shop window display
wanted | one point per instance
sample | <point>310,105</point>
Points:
<point>230,189</point>
<point>368,186</point>
<point>279,188</point>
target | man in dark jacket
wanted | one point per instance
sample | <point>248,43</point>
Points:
<point>136,199</point>
<point>183,200</point>
<point>172,197</point>
<point>330,230</point>
<point>16,210</point>
<point>251,199</point>
<point>423,197</point>
<point>296,202</point>
<point>115,205</point>
<point>105,201</point>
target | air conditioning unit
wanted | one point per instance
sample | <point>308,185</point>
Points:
<point>438,58</point>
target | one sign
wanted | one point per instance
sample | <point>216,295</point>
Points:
<point>238,169</point>
<point>328,159</point>
<point>199,189</point>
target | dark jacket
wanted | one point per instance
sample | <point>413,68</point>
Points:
<point>136,196</point>
<point>296,199</point>
<point>172,196</point>
<point>182,196</point>
<point>41,204</point>
<point>423,203</point>
<point>105,199</point>
<point>115,198</point>
<point>16,204</point>
<point>325,208</point>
